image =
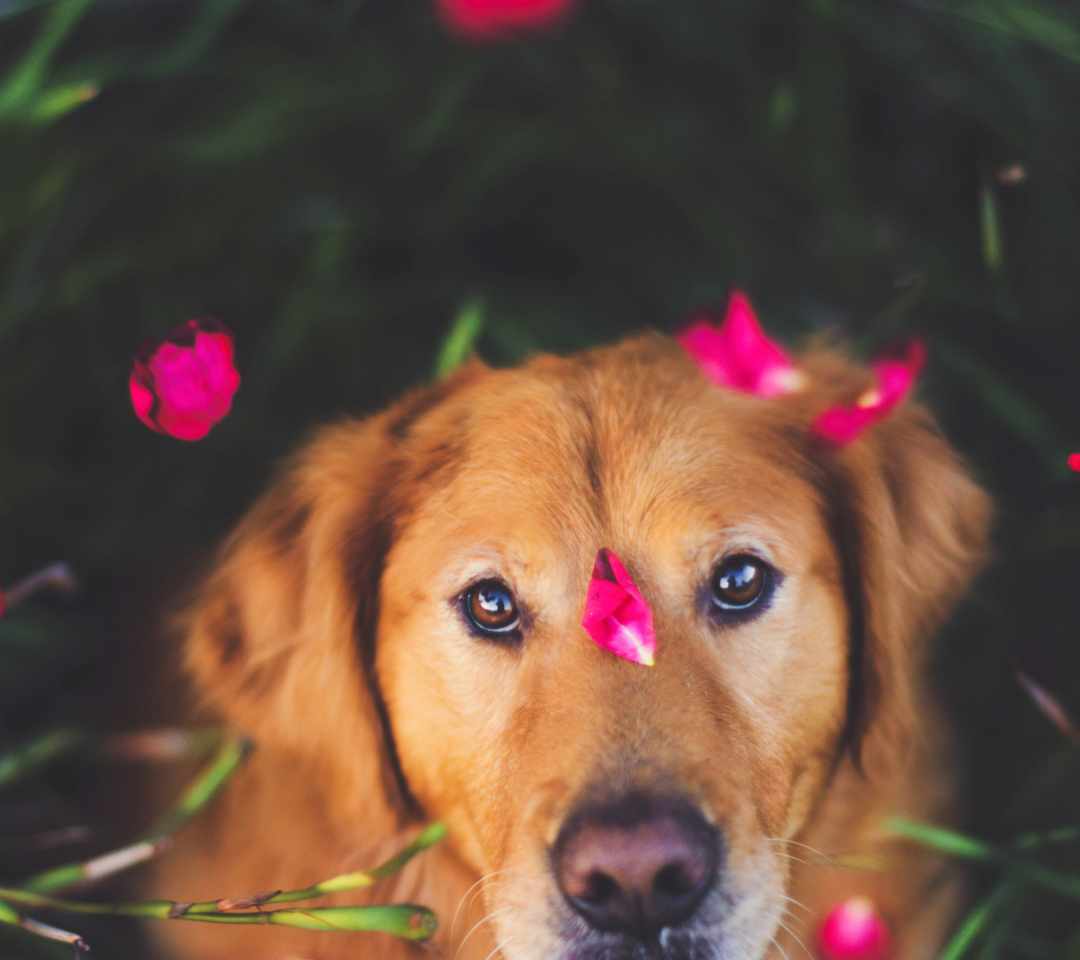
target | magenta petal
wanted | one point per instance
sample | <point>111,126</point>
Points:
<point>896,373</point>
<point>853,930</point>
<point>184,386</point>
<point>738,355</point>
<point>616,614</point>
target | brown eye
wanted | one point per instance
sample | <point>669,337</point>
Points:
<point>491,608</point>
<point>739,582</point>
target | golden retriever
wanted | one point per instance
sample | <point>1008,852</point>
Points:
<point>398,625</point>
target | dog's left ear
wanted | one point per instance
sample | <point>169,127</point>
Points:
<point>280,640</point>
<point>914,531</point>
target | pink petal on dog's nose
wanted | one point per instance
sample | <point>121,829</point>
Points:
<point>616,614</point>
<point>738,355</point>
<point>853,930</point>
<point>896,373</point>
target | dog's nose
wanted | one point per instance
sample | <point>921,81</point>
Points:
<point>638,864</point>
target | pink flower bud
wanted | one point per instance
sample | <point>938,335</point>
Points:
<point>896,373</point>
<point>853,930</point>
<point>616,614</point>
<point>491,19</point>
<point>185,385</point>
<point>738,355</point>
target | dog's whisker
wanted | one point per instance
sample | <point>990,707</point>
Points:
<point>776,943</point>
<point>476,886</point>
<point>805,846</point>
<point>791,933</point>
<point>487,918</point>
<point>792,900</point>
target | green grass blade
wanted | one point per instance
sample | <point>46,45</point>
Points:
<point>228,758</point>
<point>461,339</point>
<point>976,921</point>
<point>29,74</point>
<point>19,763</point>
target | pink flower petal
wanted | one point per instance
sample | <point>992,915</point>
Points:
<point>493,19</point>
<point>1074,462</point>
<point>616,614</point>
<point>182,387</point>
<point>853,930</point>
<point>896,372</point>
<point>738,355</point>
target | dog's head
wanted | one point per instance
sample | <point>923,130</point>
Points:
<point>403,610</point>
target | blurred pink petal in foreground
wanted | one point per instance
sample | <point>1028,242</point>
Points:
<point>854,931</point>
<point>185,385</point>
<point>493,19</point>
<point>1074,462</point>
<point>738,355</point>
<point>616,614</point>
<point>896,373</point>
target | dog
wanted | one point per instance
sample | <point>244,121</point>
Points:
<point>398,625</point>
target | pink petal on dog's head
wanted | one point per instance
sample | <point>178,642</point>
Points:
<point>616,614</point>
<point>853,930</point>
<point>738,355</point>
<point>896,372</point>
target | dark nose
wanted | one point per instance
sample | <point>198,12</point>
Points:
<point>638,864</point>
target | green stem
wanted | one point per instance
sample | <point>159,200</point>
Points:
<point>967,848</point>
<point>402,920</point>
<point>27,77</point>
<point>347,881</point>
<point>975,921</point>
<point>17,764</point>
<point>198,795</point>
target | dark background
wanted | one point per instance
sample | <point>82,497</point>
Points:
<point>335,179</point>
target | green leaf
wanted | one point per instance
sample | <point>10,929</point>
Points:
<point>459,342</point>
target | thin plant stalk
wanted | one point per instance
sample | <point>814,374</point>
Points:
<point>229,756</point>
<point>401,920</point>
<point>967,848</point>
<point>166,743</point>
<point>24,760</point>
<point>976,921</point>
<point>56,578</point>
<point>39,929</point>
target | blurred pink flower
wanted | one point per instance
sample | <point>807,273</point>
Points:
<point>896,372</point>
<point>616,614</point>
<point>185,385</point>
<point>1074,462</point>
<point>852,930</point>
<point>492,19</point>
<point>738,355</point>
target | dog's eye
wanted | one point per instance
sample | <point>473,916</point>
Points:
<point>491,608</point>
<point>739,582</point>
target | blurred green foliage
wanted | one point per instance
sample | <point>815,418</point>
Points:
<point>339,179</point>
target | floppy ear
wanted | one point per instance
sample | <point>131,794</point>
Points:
<point>913,528</point>
<point>281,640</point>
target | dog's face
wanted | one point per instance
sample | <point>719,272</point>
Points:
<point>548,755</point>
<point>614,810</point>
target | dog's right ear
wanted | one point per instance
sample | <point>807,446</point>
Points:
<point>281,638</point>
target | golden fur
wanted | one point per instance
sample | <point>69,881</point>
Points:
<point>330,633</point>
